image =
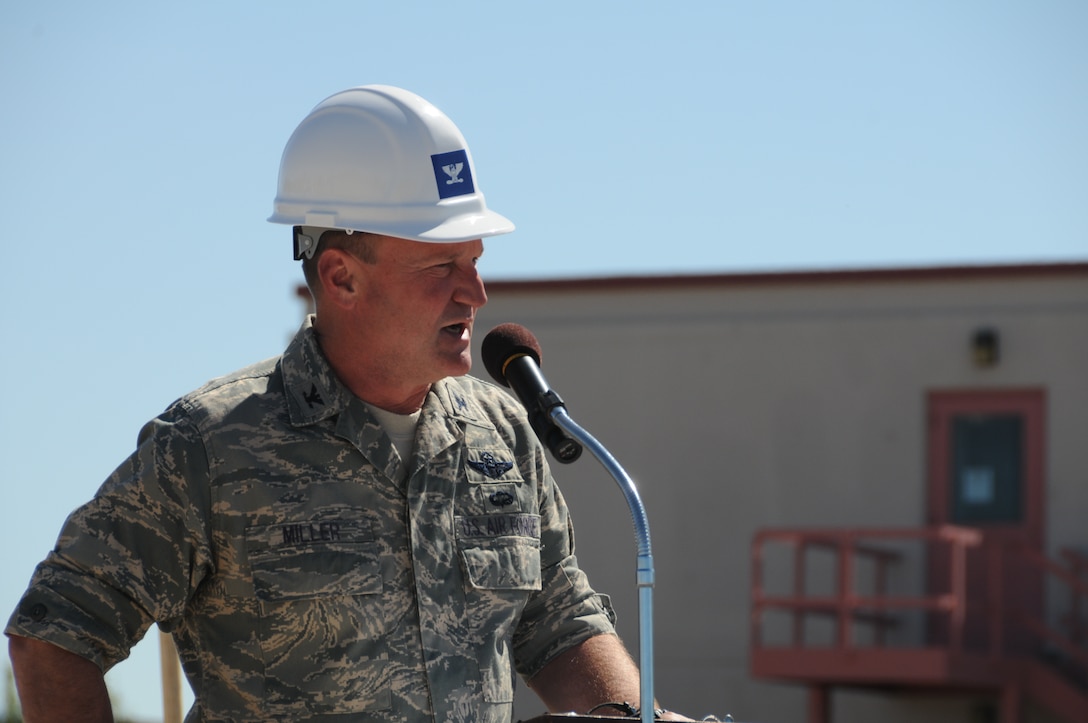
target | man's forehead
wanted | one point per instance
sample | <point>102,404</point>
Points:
<point>426,250</point>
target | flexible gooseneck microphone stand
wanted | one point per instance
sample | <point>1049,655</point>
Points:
<point>512,356</point>
<point>645,569</point>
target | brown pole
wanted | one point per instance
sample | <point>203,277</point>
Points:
<point>171,679</point>
<point>819,704</point>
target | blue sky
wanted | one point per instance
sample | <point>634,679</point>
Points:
<point>141,143</point>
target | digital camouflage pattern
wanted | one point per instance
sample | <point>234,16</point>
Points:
<point>262,523</point>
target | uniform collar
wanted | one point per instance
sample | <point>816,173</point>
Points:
<point>313,391</point>
<point>450,398</point>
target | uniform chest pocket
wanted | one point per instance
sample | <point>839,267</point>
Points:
<point>295,561</point>
<point>500,552</point>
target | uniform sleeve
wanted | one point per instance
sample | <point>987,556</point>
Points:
<point>566,611</point>
<point>130,557</point>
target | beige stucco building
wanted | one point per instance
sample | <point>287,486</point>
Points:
<point>888,400</point>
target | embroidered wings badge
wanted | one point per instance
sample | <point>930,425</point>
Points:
<point>490,466</point>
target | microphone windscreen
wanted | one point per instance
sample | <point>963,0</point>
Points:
<point>502,343</point>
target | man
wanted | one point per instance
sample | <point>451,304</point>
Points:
<point>355,530</point>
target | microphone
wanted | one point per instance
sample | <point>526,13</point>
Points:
<point>511,355</point>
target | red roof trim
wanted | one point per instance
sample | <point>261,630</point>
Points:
<point>937,273</point>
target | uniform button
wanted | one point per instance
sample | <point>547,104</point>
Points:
<point>38,612</point>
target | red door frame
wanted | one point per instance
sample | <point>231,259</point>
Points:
<point>1022,589</point>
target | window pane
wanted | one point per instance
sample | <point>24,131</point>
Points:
<point>986,468</point>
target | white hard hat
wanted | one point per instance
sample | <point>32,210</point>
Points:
<point>383,160</point>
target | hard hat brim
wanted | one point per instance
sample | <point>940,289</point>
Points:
<point>465,227</point>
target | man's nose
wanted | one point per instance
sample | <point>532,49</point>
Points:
<point>470,290</point>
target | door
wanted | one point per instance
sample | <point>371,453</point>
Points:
<point>987,471</point>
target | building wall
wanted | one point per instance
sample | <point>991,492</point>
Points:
<point>744,402</point>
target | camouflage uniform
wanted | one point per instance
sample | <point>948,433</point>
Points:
<point>262,523</point>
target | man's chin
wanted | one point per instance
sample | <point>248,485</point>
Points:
<point>458,367</point>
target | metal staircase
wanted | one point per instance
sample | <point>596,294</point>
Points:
<point>933,608</point>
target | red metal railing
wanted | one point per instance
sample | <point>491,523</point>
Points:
<point>847,606</point>
<point>985,599</point>
<point>1070,642</point>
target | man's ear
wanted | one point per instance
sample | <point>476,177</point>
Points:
<point>338,279</point>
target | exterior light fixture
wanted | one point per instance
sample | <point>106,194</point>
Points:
<point>985,348</point>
